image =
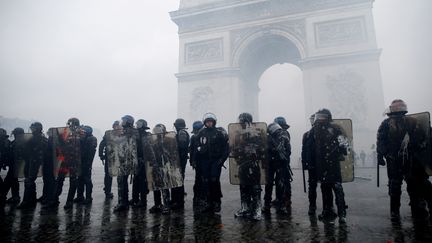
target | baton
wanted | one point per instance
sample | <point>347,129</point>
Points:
<point>378,175</point>
<point>304,179</point>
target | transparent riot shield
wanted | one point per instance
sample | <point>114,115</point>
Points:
<point>122,152</point>
<point>248,162</point>
<point>162,161</point>
<point>346,140</point>
<point>425,155</point>
<point>66,150</point>
<point>20,147</point>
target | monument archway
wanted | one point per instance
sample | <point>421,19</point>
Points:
<point>225,45</point>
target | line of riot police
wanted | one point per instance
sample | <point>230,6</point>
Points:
<point>67,151</point>
<point>258,155</point>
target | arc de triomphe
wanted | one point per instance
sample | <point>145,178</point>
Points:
<point>226,45</point>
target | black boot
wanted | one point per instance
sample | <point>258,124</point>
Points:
<point>123,202</point>
<point>121,207</point>
<point>312,209</point>
<point>29,199</point>
<point>13,200</point>
<point>255,203</point>
<point>26,205</point>
<point>156,209</point>
<point>267,206</point>
<point>340,202</point>
<point>394,208</point>
<point>244,210</point>
<point>79,199</point>
<point>68,205</point>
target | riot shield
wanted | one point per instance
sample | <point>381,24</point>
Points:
<point>162,161</point>
<point>20,147</point>
<point>122,153</point>
<point>346,165</point>
<point>425,155</point>
<point>248,162</point>
<point>66,150</point>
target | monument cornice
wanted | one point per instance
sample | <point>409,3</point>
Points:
<point>205,74</point>
<point>327,60</point>
<point>226,12</point>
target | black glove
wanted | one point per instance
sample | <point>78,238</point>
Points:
<point>381,160</point>
<point>102,158</point>
<point>221,163</point>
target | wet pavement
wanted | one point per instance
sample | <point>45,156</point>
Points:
<point>367,219</point>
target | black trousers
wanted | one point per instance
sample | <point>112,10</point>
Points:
<point>312,187</point>
<point>85,182</point>
<point>327,190</point>
<point>107,179</point>
<point>11,183</point>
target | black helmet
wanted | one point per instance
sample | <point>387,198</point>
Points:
<point>180,124</point>
<point>3,133</point>
<point>398,106</point>
<point>88,130</point>
<point>282,122</point>
<point>36,127</point>
<point>116,125</point>
<point>141,124</point>
<point>323,115</point>
<point>127,121</point>
<point>197,125</point>
<point>73,122</point>
<point>273,128</point>
<point>209,117</point>
<point>18,131</point>
<point>312,119</point>
<point>245,118</point>
<point>159,128</point>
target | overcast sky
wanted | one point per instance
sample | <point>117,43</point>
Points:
<point>100,60</point>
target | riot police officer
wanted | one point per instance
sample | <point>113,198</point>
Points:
<point>127,123</point>
<point>139,186</point>
<point>18,153</point>
<point>5,157</point>
<point>279,172</point>
<point>73,166</point>
<point>308,161</point>
<point>211,152</point>
<point>398,141</point>
<point>47,198</point>
<point>282,123</point>
<point>197,187</point>
<point>103,157</point>
<point>162,203</point>
<point>88,151</point>
<point>247,151</point>
<point>329,153</point>
<point>37,153</point>
<point>182,137</point>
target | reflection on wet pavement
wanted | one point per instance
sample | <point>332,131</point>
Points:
<point>367,220</point>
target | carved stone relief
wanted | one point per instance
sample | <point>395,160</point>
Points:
<point>340,32</point>
<point>202,101</point>
<point>204,51</point>
<point>347,96</point>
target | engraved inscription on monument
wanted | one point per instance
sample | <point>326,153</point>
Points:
<point>340,32</point>
<point>204,51</point>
